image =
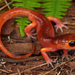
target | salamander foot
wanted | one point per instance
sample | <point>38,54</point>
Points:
<point>67,56</point>
<point>60,26</point>
<point>49,62</point>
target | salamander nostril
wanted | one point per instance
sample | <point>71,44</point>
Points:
<point>72,43</point>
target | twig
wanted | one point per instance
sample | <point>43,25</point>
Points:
<point>4,71</point>
<point>29,69</point>
<point>57,66</point>
<point>6,5</point>
<point>42,65</point>
<point>19,73</point>
<point>22,60</point>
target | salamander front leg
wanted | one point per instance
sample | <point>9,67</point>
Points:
<point>65,54</point>
<point>46,57</point>
<point>28,30</point>
<point>59,24</point>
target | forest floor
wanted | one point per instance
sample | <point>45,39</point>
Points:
<point>35,64</point>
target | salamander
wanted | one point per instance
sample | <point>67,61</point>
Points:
<point>45,33</point>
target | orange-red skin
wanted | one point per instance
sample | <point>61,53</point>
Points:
<point>44,28</point>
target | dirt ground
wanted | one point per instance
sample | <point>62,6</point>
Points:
<point>35,64</point>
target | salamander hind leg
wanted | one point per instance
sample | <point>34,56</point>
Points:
<point>65,54</point>
<point>27,30</point>
<point>59,23</point>
<point>46,57</point>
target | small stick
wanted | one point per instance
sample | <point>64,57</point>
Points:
<point>4,70</point>
<point>57,66</point>
<point>42,65</point>
<point>6,5</point>
<point>29,69</point>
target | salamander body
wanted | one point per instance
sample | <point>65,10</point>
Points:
<point>45,33</point>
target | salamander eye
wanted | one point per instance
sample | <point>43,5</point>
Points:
<point>72,43</point>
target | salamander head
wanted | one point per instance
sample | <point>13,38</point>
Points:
<point>70,44</point>
<point>65,41</point>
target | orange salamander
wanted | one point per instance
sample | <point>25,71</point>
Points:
<point>45,33</point>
